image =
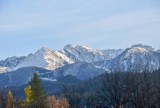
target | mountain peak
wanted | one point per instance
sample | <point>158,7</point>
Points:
<point>82,47</point>
<point>138,58</point>
<point>50,59</point>
<point>68,45</point>
<point>44,49</point>
<point>86,47</point>
<point>143,47</point>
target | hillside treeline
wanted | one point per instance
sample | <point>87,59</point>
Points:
<point>110,90</point>
<point>117,90</point>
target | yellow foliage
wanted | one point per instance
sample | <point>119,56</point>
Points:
<point>28,93</point>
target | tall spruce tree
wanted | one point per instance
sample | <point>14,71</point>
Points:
<point>38,98</point>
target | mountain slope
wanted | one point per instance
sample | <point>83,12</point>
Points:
<point>23,76</point>
<point>49,59</point>
<point>45,58</point>
<point>80,70</point>
<point>10,63</point>
<point>76,64</point>
<point>137,58</point>
<point>85,54</point>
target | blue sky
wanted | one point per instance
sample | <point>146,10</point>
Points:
<point>27,25</point>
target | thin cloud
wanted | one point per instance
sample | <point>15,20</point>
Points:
<point>121,21</point>
<point>33,20</point>
<point>15,26</point>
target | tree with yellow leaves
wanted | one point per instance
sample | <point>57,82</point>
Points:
<point>28,93</point>
<point>10,100</point>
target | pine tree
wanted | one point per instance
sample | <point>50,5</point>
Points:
<point>38,98</point>
<point>10,100</point>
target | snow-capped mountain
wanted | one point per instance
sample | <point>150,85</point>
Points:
<point>138,58</point>
<point>85,54</point>
<point>45,58</point>
<point>10,63</point>
<point>49,59</point>
<point>158,50</point>
<point>77,63</point>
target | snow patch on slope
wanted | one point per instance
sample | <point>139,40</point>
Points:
<point>137,58</point>
<point>3,69</point>
<point>49,79</point>
<point>147,47</point>
<point>86,54</point>
<point>45,58</point>
<point>49,59</point>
